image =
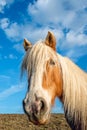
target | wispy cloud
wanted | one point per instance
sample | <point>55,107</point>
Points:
<point>8,57</point>
<point>11,56</point>
<point>10,91</point>
<point>74,38</point>
<point>4,77</point>
<point>13,31</point>
<point>56,11</point>
<point>18,32</point>
<point>76,53</point>
<point>18,47</point>
<point>5,3</point>
<point>2,5</point>
<point>4,23</point>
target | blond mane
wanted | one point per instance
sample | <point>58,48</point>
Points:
<point>74,91</point>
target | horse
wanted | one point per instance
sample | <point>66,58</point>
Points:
<point>52,75</point>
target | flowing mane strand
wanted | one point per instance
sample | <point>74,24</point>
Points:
<point>75,91</point>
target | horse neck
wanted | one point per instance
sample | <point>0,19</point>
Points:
<point>74,90</point>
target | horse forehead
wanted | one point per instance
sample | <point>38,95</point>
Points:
<point>39,55</point>
<point>40,50</point>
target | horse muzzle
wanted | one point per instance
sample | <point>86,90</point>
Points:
<point>36,110</point>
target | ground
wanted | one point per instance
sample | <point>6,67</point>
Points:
<point>20,122</point>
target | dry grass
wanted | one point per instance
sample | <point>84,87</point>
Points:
<point>20,122</point>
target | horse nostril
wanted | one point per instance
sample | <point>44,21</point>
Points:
<point>39,108</point>
<point>43,105</point>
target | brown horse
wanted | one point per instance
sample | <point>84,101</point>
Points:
<point>49,76</point>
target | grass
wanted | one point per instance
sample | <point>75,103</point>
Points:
<point>21,122</point>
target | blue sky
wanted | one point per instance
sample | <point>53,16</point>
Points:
<point>31,19</point>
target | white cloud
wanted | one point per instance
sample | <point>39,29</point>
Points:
<point>5,3</point>
<point>76,53</point>
<point>76,38</point>
<point>74,45</point>
<point>13,31</point>
<point>19,48</point>
<point>45,11</point>
<point>2,5</point>
<point>56,11</point>
<point>12,90</point>
<point>17,32</point>
<point>4,23</point>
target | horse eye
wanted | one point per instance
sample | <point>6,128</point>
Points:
<point>52,62</point>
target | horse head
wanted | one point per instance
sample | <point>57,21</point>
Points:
<point>44,78</point>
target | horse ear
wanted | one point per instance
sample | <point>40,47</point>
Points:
<point>27,44</point>
<point>51,40</point>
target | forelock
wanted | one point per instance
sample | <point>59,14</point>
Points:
<point>37,56</point>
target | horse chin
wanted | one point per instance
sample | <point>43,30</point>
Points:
<point>40,122</point>
<point>43,120</point>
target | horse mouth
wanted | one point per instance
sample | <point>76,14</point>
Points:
<point>40,120</point>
